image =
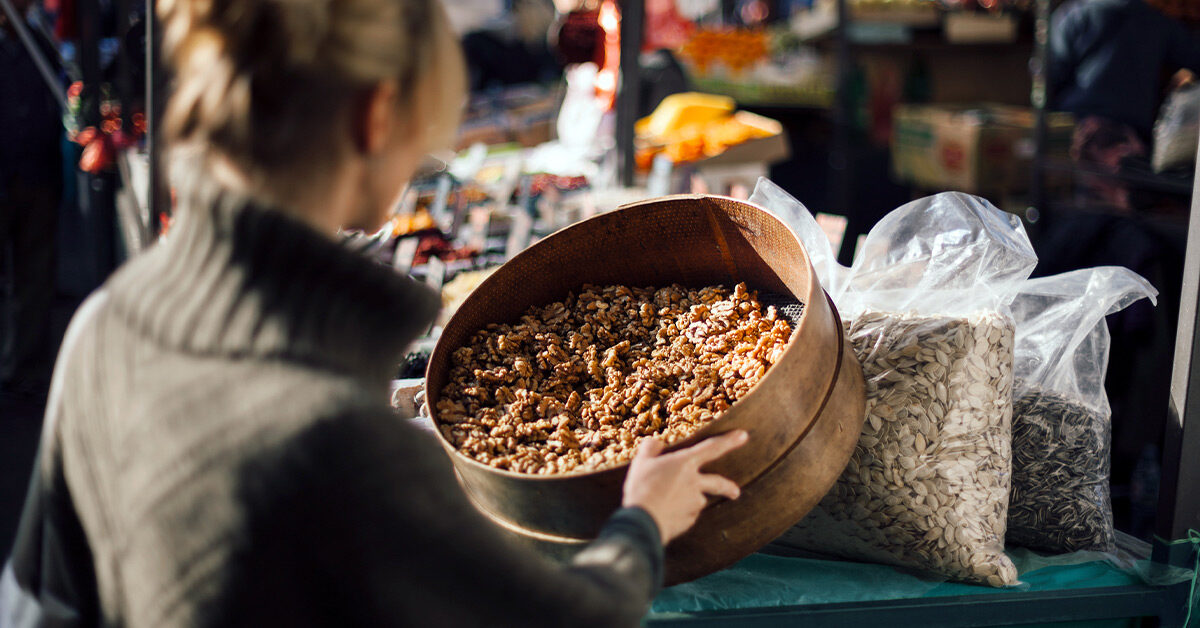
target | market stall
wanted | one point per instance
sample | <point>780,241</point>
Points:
<point>506,207</point>
<point>1107,577</point>
<point>776,587</point>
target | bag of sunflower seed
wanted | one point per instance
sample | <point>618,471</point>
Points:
<point>1061,418</point>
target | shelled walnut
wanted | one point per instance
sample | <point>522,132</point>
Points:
<point>577,384</point>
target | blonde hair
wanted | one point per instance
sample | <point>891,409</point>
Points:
<point>267,84</point>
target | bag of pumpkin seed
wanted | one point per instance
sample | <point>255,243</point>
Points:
<point>1061,418</point>
<point>926,309</point>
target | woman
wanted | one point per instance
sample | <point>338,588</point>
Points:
<point>218,450</point>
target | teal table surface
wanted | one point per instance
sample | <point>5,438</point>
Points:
<point>763,580</point>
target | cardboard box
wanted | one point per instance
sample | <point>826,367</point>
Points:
<point>979,28</point>
<point>979,149</point>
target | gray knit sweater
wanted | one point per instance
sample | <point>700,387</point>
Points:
<point>218,452</point>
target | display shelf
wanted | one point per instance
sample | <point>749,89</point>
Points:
<point>776,109</point>
<point>939,47</point>
<point>929,40</point>
<point>763,94</point>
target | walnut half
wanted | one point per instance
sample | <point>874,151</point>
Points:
<point>577,384</point>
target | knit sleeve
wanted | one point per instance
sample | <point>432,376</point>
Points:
<point>387,515</point>
<point>628,538</point>
<point>49,579</point>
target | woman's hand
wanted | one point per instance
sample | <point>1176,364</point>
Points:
<point>671,487</point>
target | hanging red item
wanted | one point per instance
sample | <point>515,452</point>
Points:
<point>97,154</point>
<point>594,36</point>
<point>578,37</point>
<point>666,29</point>
<point>100,145</point>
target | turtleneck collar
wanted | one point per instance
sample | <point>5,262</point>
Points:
<point>238,280</point>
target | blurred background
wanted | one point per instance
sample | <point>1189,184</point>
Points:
<point>1070,115</point>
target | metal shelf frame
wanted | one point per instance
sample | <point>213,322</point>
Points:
<point>1179,491</point>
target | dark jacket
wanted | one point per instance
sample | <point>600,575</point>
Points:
<point>218,451</point>
<point>1107,57</point>
<point>30,151</point>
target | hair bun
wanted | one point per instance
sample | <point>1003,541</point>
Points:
<point>251,73</point>
<point>256,35</point>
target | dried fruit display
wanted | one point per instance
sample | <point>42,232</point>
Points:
<point>928,485</point>
<point>577,384</point>
<point>737,49</point>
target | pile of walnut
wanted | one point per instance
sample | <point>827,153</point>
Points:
<point>576,385</point>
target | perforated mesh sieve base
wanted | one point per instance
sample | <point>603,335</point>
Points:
<point>787,306</point>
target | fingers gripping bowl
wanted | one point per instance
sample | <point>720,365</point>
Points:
<point>803,416</point>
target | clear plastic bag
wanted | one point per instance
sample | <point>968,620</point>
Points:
<point>796,216</point>
<point>1177,130</point>
<point>926,312</point>
<point>1061,418</point>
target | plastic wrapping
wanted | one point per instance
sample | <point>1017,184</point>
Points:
<point>948,254</point>
<point>796,216</point>
<point>1177,130</point>
<point>926,309</point>
<point>1061,420</point>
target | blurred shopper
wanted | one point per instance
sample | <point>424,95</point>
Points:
<point>1106,65</point>
<point>30,191</point>
<point>218,448</point>
<point>509,47</point>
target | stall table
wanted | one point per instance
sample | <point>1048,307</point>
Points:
<point>1079,589</point>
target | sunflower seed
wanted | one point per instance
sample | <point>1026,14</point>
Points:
<point>1060,492</point>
